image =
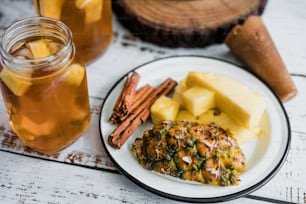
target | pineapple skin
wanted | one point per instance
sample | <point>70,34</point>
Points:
<point>191,151</point>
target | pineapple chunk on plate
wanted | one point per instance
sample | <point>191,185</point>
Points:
<point>178,92</point>
<point>232,97</point>
<point>198,100</point>
<point>242,134</point>
<point>186,115</point>
<point>164,108</point>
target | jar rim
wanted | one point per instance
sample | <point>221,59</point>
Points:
<point>9,38</point>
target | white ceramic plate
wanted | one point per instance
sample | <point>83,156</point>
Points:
<point>265,154</point>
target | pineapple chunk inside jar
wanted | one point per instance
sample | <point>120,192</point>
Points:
<point>37,49</point>
<point>27,50</point>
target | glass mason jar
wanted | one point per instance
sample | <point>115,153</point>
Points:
<point>43,84</point>
<point>89,20</point>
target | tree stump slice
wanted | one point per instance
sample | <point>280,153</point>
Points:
<point>184,23</point>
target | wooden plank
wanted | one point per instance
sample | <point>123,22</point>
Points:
<point>33,181</point>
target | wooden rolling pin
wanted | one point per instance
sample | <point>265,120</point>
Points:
<point>252,44</point>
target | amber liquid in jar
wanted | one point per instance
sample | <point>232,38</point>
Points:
<point>45,93</point>
<point>89,20</point>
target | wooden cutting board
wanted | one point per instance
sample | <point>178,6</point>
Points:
<point>184,23</point>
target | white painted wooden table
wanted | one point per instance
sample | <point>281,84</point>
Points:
<point>83,173</point>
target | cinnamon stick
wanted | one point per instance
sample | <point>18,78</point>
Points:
<point>126,98</point>
<point>141,96</point>
<point>140,119</point>
<point>139,115</point>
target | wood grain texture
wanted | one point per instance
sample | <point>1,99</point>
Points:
<point>62,179</point>
<point>57,183</point>
<point>193,23</point>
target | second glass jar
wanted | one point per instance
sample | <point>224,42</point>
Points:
<point>89,20</point>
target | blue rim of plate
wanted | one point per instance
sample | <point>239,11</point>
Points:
<point>229,197</point>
